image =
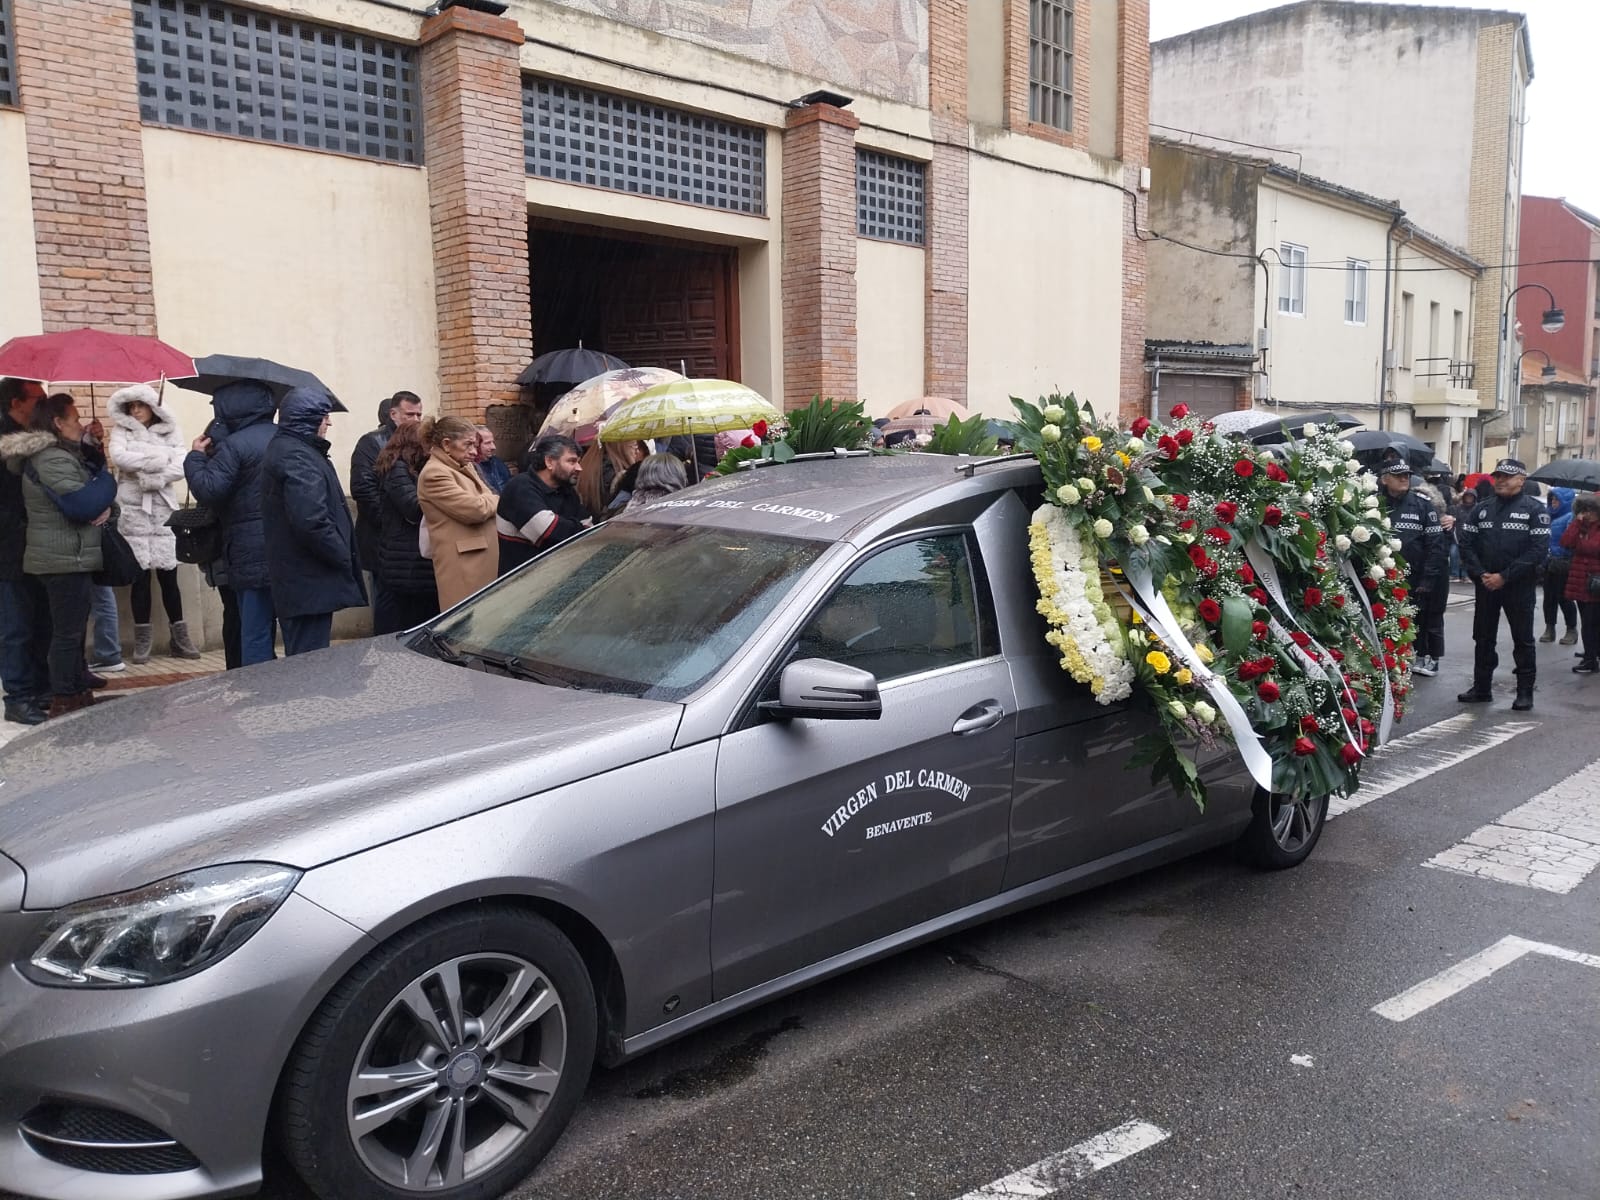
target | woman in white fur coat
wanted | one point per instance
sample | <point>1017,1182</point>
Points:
<point>148,451</point>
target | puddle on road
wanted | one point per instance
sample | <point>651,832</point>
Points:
<point>727,1067</point>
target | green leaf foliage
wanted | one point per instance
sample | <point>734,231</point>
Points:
<point>961,437</point>
<point>824,425</point>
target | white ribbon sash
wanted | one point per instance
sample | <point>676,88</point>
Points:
<point>1386,722</point>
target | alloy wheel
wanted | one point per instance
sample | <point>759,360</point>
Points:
<point>1295,820</point>
<point>456,1072</point>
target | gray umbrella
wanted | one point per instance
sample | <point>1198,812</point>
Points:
<point>1374,445</point>
<point>569,366</point>
<point>1287,427</point>
<point>216,371</point>
<point>1580,473</point>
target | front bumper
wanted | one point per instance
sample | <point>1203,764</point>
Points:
<point>198,1059</point>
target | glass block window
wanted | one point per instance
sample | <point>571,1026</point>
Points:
<point>8,57</point>
<point>227,69</point>
<point>578,135</point>
<point>889,197</point>
<point>1050,63</point>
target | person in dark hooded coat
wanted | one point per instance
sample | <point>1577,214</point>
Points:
<point>224,474</point>
<point>312,558</point>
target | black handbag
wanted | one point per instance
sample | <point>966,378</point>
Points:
<point>118,566</point>
<point>197,534</point>
<point>1593,586</point>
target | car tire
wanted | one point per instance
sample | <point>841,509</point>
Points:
<point>1283,832</point>
<point>383,1101</point>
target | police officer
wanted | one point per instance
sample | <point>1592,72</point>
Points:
<point>1503,541</point>
<point>1414,520</point>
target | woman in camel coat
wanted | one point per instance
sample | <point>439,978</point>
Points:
<point>458,511</point>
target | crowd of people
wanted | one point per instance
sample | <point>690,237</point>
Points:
<point>440,515</point>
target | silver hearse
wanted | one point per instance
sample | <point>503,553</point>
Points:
<point>388,903</point>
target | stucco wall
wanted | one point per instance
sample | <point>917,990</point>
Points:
<point>1205,200</point>
<point>316,260</point>
<point>1417,272</point>
<point>1319,358</point>
<point>19,268</point>
<point>1046,270</point>
<point>877,46</point>
<point>1377,97</point>
<point>890,281</point>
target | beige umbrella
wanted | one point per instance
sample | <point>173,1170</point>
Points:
<point>594,398</point>
<point>941,407</point>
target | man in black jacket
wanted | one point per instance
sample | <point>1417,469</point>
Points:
<point>540,507</point>
<point>1416,524</point>
<point>24,607</point>
<point>1503,542</point>
<point>311,541</point>
<point>402,408</point>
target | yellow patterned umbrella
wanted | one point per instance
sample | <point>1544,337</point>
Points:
<point>689,406</point>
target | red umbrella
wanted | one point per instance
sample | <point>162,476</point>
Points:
<point>92,356</point>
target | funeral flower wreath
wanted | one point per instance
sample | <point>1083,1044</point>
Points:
<point>1249,596</point>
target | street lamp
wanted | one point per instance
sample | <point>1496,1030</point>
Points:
<point>1554,320</point>
<point>1548,371</point>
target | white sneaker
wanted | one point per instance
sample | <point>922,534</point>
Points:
<point>1426,665</point>
<point>108,668</point>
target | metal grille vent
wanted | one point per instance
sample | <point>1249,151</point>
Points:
<point>890,197</point>
<point>1050,42</point>
<point>225,69</point>
<point>578,135</point>
<point>8,56</point>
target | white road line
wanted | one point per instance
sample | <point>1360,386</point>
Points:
<point>1471,970</point>
<point>1551,843</point>
<point>1049,1176</point>
<point>1428,751</point>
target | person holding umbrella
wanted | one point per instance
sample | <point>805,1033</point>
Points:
<point>1503,543</point>
<point>312,561</point>
<point>225,476</point>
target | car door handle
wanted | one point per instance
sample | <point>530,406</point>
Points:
<point>979,717</point>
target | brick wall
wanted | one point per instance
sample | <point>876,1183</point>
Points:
<point>86,158</point>
<point>1133,148</point>
<point>1486,213</point>
<point>819,255</point>
<point>472,127</point>
<point>945,328</point>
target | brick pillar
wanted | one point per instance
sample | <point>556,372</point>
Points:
<point>1133,148</point>
<point>79,88</point>
<point>477,196</point>
<point>819,255</point>
<point>945,329</point>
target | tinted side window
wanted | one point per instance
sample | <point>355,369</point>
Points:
<point>907,609</point>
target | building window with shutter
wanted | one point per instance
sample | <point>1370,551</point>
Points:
<point>223,68</point>
<point>890,197</point>
<point>8,57</point>
<point>1050,63</point>
<point>1292,279</point>
<point>1355,291</point>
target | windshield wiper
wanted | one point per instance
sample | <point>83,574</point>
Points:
<point>515,667</point>
<point>444,648</point>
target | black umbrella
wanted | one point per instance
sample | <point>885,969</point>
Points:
<point>1374,445</point>
<point>1287,428</point>
<point>216,371</point>
<point>569,366</point>
<point>1580,473</point>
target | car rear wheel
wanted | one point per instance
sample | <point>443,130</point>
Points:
<point>1283,830</point>
<point>446,1065</point>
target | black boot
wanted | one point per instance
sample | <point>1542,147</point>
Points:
<point>1587,667</point>
<point>1524,700</point>
<point>1476,694</point>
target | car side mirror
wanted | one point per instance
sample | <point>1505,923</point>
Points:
<point>826,690</point>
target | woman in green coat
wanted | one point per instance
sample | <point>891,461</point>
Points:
<point>69,495</point>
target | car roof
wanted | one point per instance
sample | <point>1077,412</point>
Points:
<point>830,499</point>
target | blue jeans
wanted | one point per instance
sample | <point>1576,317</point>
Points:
<point>301,635</point>
<point>107,636</point>
<point>257,626</point>
<point>24,639</point>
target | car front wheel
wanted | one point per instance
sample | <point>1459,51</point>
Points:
<point>446,1065</point>
<point>1283,830</point>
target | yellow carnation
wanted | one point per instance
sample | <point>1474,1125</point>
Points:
<point>1125,459</point>
<point>1159,661</point>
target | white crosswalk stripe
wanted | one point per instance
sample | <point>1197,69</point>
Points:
<point>1050,1176</point>
<point>1429,750</point>
<point>1551,843</point>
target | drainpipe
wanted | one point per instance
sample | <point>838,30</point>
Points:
<point>1388,290</point>
<point>1155,389</point>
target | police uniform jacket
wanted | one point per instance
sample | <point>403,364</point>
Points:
<point>1414,521</point>
<point>1506,537</point>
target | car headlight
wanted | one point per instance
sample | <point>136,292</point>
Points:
<point>159,932</point>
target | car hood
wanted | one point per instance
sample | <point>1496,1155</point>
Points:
<point>296,762</point>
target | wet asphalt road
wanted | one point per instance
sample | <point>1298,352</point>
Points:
<point>1177,998</point>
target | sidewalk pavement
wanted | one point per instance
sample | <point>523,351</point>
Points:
<point>158,672</point>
